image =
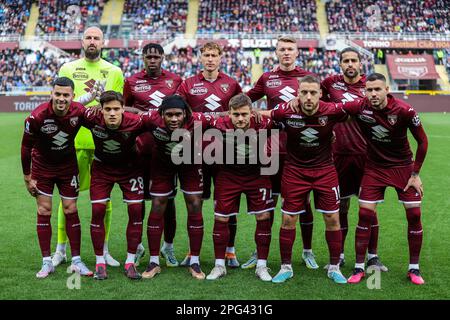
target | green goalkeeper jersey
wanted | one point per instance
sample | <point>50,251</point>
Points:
<point>84,74</point>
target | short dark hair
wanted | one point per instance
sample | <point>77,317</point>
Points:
<point>155,46</point>
<point>309,79</point>
<point>376,76</point>
<point>111,95</point>
<point>349,49</point>
<point>175,101</point>
<point>240,100</point>
<point>64,82</point>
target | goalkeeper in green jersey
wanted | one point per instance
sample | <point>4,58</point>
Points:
<point>91,75</point>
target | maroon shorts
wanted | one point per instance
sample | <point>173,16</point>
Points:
<point>298,182</point>
<point>103,178</point>
<point>228,190</point>
<point>376,180</point>
<point>66,179</point>
<point>350,169</point>
<point>164,178</point>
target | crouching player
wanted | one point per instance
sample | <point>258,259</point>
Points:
<point>234,179</point>
<point>115,161</point>
<point>48,158</point>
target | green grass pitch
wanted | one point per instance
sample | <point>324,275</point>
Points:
<point>20,256</point>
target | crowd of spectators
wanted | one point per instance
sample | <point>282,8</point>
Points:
<point>262,16</point>
<point>14,16</point>
<point>152,16</point>
<point>429,16</point>
<point>67,16</point>
<point>323,63</point>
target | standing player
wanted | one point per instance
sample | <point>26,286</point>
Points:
<point>309,167</point>
<point>209,92</point>
<point>91,76</point>
<point>115,161</point>
<point>235,179</point>
<point>350,147</point>
<point>384,122</point>
<point>174,113</point>
<point>48,158</point>
<point>281,86</point>
<point>142,92</point>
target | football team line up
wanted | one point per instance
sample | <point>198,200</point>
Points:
<point>340,137</point>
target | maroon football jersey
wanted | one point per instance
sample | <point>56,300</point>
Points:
<point>309,137</point>
<point>279,86</point>
<point>51,137</point>
<point>117,146</point>
<point>349,138</point>
<point>145,93</point>
<point>163,136</point>
<point>386,131</point>
<point>209,97</point>
<point>249,150</point>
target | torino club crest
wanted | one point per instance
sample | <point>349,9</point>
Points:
<point>392,119</point>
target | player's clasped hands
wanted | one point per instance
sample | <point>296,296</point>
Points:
<point>415,182</point>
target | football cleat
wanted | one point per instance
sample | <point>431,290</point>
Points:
<point>79,267</point>
<point>415,276</point>
<point>47,268</point>
<point>140,252</point>
<point>231,260</point>
<point>110,261</point>
<point>262,272</point>
<point>169,256</point>
<point>310,260</point>
<point>186,261</point>
<point>58,257</point>
<point>100,272</point>
<point>341,264</point>
<point>152,270</point>
<point>251,263</point>
<point>376,263</point>
<point>196,271</point>
<point>284,274</point>
<point>131,272</point>
<point>217,272</point>
<point>336,275</point>
<point>357,276</point>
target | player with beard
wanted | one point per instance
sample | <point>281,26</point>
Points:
<point>350,147</point>
<point>280,86</point>
<point>91,75</point>
<point>142,92</point>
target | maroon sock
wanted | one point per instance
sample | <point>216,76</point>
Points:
<point>134,227</point>
<point>287,238</point>
<point>232,227</point>
<point>44,232</point>
<point>221,233</point>
<point>362,234</point>
<point>263,236</point>
<point>155,227</point>
<point>415,234</point>
<point>373,241</point>
<point>334,241</point>
<point>98,227</point>
<point>343,220</point>
<point>73,230</point>
<point>306,225</point>
<point>272,217</point>
<point>170,221</point>
<point>195,232</point>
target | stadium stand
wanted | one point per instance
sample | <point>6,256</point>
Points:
<point>67,17</point>
<point>429,16</point>
<point>257,16</point>
<point>14,16</point>
<point>156,15</point>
